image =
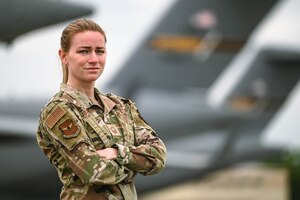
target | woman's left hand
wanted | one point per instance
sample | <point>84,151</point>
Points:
<point>108,153</point>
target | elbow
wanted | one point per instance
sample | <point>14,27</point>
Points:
<point>160,162</point>
<point>157,167</point>
<point>162,157</point>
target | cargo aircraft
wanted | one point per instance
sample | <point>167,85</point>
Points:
<point>177,77</point>
<point>209,86</point>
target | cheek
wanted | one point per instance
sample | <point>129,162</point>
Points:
<point>77,62</point>
<point>103,60</point>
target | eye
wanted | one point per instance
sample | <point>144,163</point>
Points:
<point>100,51</point>
<point>83,51</point>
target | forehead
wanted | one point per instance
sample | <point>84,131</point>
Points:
<point>88,38</point>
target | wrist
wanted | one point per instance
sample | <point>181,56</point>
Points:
<point>123,154</point>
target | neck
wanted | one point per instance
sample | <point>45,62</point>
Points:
<point>86,88</point>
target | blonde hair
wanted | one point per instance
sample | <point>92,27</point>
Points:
<point>77,26</point>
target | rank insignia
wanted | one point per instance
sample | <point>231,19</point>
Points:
<point>113,130</point>
<point>69,129</point>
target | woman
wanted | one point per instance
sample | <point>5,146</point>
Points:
<point>97,142</point>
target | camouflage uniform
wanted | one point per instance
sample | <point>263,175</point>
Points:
<point>72,129</point>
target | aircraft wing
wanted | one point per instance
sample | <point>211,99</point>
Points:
<point>19,17</point>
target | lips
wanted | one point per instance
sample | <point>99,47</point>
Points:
<point>92,68</point>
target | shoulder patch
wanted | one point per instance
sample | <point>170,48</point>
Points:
<point>56,115</point>
<point>69,129</point>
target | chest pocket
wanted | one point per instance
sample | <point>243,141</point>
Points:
<point>121,127</point>
<point>114,129</point>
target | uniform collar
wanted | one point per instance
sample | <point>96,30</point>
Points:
<point>107,102</point>
<point>85,100</point>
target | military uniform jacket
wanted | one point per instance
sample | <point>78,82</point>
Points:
<point>72,129</point>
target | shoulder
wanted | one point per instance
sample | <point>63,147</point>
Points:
<point>57,108</point>
<point>131,106</point>
<point>53,112</point>
<point>118,99</point>
<point>50,105</point>
<point>61,122</point>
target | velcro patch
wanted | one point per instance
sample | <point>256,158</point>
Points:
<point>56,115</point>
<point>69,129</point>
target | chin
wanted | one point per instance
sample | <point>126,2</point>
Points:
<point>92,79</point>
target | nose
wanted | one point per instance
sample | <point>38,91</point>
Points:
<point>93,58</point>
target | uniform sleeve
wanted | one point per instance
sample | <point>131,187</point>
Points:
<point>68,136</point>
<point>149,155</point>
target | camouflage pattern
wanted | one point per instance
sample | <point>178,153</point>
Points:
<point>72,129</point>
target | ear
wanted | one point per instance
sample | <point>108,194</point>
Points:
<point>62,56</point>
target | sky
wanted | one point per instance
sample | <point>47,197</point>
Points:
<point>30,67</point>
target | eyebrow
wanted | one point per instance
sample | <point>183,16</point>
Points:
<point>88,47</point>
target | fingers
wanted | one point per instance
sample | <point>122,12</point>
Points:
<point>108,153</point>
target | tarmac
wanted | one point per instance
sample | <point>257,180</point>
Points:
<point>250,181</point>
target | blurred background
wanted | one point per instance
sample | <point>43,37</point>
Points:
<point>218,81</point>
